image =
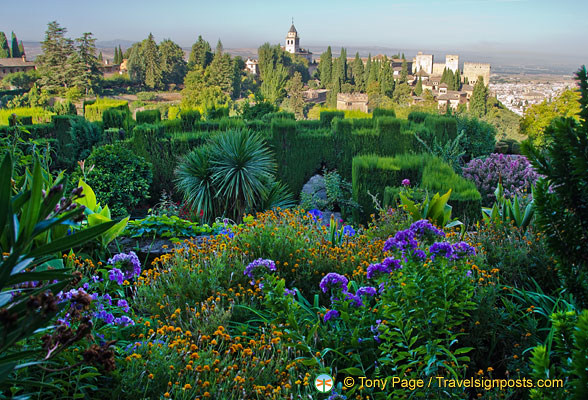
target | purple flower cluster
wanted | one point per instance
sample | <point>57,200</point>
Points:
<point>332,280</point>
<point>402,240</point>
<point>454,251</point>
<point>331,314</point>
<point>385,267</point>
<point>405,182</point>
<point>348,230</point>
<point>354,298</point>
<point>128,263</point>
<point>423,228</point>
<point>366,291</point>
<point>116,275</point>
<point>257,264</point>
<point>462,249</point>
<point>288,292</point>
<point>316,214</point>
<point>518,176</point>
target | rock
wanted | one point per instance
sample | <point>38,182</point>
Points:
<point>315,187</point>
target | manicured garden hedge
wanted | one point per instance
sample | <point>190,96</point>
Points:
<point>381,175</point>
<point>93,110</point>
<point>38,115</point>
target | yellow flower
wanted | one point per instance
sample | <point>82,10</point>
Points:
<point>187,386</point>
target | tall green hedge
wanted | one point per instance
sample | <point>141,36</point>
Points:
<point>382,112</point>
<point>383,175</point>
<point>93,110</point>
<point>148,117</point>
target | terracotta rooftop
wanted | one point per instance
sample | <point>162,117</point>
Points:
<point>15,62</point>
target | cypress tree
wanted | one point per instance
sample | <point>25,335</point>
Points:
<point>326,67</point>
<point>418,89</point>
<point>100,58</point>
<point>121,56</point>
<point>15,49</point>
<point>386,78</point>
<point>457,80</point>
<point>404,71</point>
<point>343,65</point>
<point>368,66</point>
<point>479,98</point>
<point>358,73</point>
<point>4,49</point>
<point>21,49</point>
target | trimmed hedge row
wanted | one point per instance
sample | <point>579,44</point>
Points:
<point>93,110</point>
<point>148,117</point>
<point>382,176</point>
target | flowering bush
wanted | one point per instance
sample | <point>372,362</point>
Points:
<point>517,174</point>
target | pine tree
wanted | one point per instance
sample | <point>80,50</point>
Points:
<point>86,51</point>
<point>153,73</point>
<point>53,63</point>
<point>15,49</point>
<point>201,54</point>
<point>221,71</point>
<point>136,63</point>
<point>479,98</point>
<point>326,67</point>
<point>295,101</point>
<point>4,49</point>
<point>418,89</point>
<point>358,73</point>
<point>173,65</point>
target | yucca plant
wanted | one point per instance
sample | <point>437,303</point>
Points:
<point>231,175</point>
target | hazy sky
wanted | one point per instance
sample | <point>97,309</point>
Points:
<point>556,27</point>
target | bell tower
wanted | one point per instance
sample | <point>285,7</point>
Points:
<point>292,40</point>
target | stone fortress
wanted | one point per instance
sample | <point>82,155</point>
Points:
<point>471,70</point>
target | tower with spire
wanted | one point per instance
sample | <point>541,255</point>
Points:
<point>293,44</point>
<point>292,40</point>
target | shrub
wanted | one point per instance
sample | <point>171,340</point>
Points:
<point>120,178</point>
<point>75,137</point>
<point>94,109</point>
<point>189,119</point>
<point>148,117</point>
<point>173,112</point>
<point>418,116</point>
<point>258,110</point>
<point>326,117</point>
<point>382,112</point>
<point>516,173</point>
<point>561,196</point>
<point>38,114</point>
<point>65,108</point>
<point>479,137</point>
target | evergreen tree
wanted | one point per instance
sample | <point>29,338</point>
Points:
<point>53,63</point>
<point>221,71</point>
<point>116,56</point>
<point>343,66</point>
<point>386,78</point>
<point>15,49</point>
<point>4,49</point>
<point>295,101</point>
<point>173,65</point>
<point>120,55</point>
<point>402,94</point>
<point>153,72</point>
<point>201,54</point>
<point>90,75</point>
<point>404,70</point>
<point>274,83</point>
<point>100,58</point>
<point>374,73</point>
<point>444,76</point>
<point>368,66</point>
<point>21,49</point>
<point>457,80</point>
<point>418,89</point>
<point>358,73</point>
<point>325,67</point>
<point>136,63</point>
<point>479,98</point>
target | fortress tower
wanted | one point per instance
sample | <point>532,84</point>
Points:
<point>452,62</point>
<point>472,71</point>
